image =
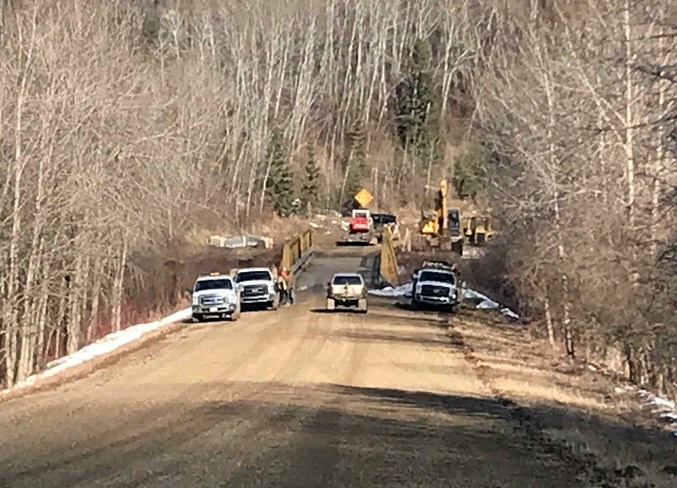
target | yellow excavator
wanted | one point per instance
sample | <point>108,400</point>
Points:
<point>477,229</point>
<point>443,227</point>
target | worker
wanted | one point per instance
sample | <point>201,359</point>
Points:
<point>291,293</point>
<point>287,285</point>
<point>282,285</point>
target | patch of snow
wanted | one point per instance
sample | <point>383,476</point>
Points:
<point>665,409</point>
<point>484,302</point>
<point>469,294</point>
<point>487,305</point>
<point>314,225</point>
<point>509,313</point>
<point>663,402</point>
<point>389,291</point>
<point>103,346</point>
<point>671,416</point>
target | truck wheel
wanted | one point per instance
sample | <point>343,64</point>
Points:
<point>362,305</point>
<point>198,317</point>
<point>331,304</point>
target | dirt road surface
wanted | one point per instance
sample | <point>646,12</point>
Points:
<point>297,398</point>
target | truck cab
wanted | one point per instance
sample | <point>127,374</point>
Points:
<point>383,220</point>
<point>258,286</point>
<point>215,295</point>
<point>435,285</point>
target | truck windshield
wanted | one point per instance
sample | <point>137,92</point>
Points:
<point>253,276</point>
<point>437,276</point>
<point>213,285</point>
<point>384,219</point>
<point>347,280</point>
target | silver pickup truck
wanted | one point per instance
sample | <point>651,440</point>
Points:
<point>347,290</point>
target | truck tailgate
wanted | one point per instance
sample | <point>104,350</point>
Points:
<point>346,291</point>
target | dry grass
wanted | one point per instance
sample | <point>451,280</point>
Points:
<point>569,403</point>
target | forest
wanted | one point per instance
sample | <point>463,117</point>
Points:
<point>127,125</point>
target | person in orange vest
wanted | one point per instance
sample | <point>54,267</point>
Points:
<point>286,285</point>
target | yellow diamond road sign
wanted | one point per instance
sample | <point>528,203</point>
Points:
<point>363,197</point>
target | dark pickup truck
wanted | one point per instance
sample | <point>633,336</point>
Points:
<point>381,220</point>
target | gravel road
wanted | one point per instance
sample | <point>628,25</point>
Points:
<point>297,398</point>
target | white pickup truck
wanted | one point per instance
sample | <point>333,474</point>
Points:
<point>258,286</point>
<point>347,290</point>
<point>435,284</point>
<point>215,295</point>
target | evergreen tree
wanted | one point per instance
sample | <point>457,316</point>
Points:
<point>355,166</point>
<point>152,25</point>
<point>416,105</point>
<point>280,185</point>
<point>310,189</point>
<point>468,178</point>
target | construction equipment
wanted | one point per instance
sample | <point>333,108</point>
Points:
<point>477,229</point>
<point>443,228</point>
<point>360,229</point>
<point>383,220</point>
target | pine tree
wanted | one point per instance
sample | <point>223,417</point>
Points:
<point>355,166</point>
<point>468,178</point>
<point>280,184</point>
<point>310,188</point>
<point>416,105</point>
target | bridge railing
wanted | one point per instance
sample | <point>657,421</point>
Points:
<point>388,260</point>
<point>296,251</point>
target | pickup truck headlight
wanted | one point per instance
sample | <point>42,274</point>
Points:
<point>195,300</point>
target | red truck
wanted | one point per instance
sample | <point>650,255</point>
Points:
<point>360,221</point>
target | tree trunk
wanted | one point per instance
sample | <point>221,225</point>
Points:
<point>93,318</point>
<point>548,322</point>
<point>119,286</point>
<point>73,323</point>
<point>629,119</point>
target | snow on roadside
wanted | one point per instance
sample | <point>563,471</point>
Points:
<point>389,291</point>
<point>663,408</point>
<point>484,302</point>
<point>103,346</point>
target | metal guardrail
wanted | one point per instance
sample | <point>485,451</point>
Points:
<point>296,251</point>
<point>388,259</point>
